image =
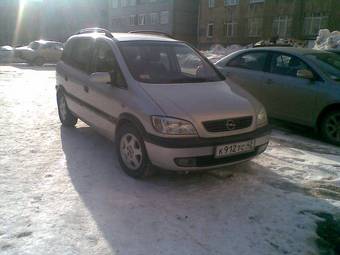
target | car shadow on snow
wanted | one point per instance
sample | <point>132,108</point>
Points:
<point>244,209</point>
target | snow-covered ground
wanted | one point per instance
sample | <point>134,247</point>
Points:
<point>62,191</point>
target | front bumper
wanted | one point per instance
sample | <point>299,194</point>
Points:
<point>199,152</point>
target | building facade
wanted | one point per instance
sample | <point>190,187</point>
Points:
<point>19,21</point>
<point>63,18</point>
<point>175,17</point>
<point>248,21</point>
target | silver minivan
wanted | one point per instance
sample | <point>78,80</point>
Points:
<point>161,101</point>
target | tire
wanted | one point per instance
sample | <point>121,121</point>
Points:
<point>39,61</point>
<point>132,155</point>
<point>330,127</point>
<point>65,115</point>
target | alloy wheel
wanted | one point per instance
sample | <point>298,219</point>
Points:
<point>131,151</point>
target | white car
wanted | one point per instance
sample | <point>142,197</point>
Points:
<point>6,54</point>
<point>161,101</point>
<point>40,52</point>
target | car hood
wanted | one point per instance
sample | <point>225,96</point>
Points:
<point>198,102</point>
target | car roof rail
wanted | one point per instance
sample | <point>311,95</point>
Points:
<point>151,32</point>
<point>96,30</point>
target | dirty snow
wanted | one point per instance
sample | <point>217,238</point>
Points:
<point>327,40</point>
<point>62,191</point>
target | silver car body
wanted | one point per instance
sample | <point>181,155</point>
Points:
<point>104,107</point>
<point>295,99</point>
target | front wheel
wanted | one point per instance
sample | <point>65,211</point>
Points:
<point>131,152</point>
<point>330,127</point>
<point>65,115</point>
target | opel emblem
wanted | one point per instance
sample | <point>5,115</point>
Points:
<point>231,125</point>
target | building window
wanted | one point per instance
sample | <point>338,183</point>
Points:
<point>210,30</point>
<point>132,20</point>
<point>164,17</point>
<point>312,24</point>
<point>211,3</point>
<point>114,3</point>
<point>154,18</point>
<point>231,2</point>
<point>282,26</point>
<point>231,29</point>
<point>125,3</point>
<point>141,19</point>
<point>256,1</point>
<point>255,27</point>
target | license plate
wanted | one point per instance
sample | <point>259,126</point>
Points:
<point>234,148</point>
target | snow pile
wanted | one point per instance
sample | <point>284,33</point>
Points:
<point>217,51</point>
<point>327,40</point>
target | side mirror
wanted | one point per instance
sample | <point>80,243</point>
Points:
<point>305,74</point>
<point>101,77</point>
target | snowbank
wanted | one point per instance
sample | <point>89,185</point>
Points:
<point>327,40</point>
<point>217,51</point>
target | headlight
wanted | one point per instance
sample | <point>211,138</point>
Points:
<point>261,119</point>
<point>172,126</point>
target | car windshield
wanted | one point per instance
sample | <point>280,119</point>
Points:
<point>34,45</point>
<point>328,62</point>
<point>167,63</point>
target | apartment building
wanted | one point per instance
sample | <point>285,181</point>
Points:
<point>175,17</point>
<point>19,21</point>
<point>248,21</point>
<point>62,18</point>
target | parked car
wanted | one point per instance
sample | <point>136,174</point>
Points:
<point>141,91</point>
<point>40,52</point>
<point>294,84</point>
<point>6,54</point>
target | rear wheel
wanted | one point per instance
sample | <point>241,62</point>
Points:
<point>330,127</point>
<point>65,115</point>
<point>131,152</point>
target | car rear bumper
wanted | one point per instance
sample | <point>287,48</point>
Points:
<point>189,154</point>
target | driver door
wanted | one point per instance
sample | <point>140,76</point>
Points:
<point>106,99</point>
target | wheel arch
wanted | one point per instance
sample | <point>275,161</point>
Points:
<point>327,109</point>
<point>128,118</point>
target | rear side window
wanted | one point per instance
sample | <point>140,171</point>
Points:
<point>78,53</point>
<point>286,65</point>
<point>253,61</point>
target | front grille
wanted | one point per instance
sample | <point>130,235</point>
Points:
<point>210,161</point>
<point>228,124</point>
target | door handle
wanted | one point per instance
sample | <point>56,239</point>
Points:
<point>86,89</point>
